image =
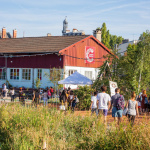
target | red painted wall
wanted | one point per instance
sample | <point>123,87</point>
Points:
<point>78,50</point>
<point>45,61</point>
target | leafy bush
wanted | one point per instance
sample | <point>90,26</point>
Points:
<point>84,94</point>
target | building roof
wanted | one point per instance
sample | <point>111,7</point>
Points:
<point>38,44</point>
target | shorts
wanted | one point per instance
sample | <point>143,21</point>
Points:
<point>103,111</point>
<point>116,112</point>
<point>94,110</point>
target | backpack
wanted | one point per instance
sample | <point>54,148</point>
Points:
<point>145,101</point>
<point>76,100</point>
<point>120,103</point>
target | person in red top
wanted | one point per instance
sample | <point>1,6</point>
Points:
<point>143,105</point>
<point>49,93</point>
<point>52,91</point>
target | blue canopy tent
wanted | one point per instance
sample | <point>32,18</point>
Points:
<point>76,79</point>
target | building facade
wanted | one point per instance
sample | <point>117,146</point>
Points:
<point>122,48</point>
<point>23,60</point>
<point>66,32</point>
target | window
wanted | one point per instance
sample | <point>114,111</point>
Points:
<point>2,74</point>
<point>39,74</point>
<point>14,74</point>
<point>88,74</point>
<point>71,72</point>
<point>26,74</point>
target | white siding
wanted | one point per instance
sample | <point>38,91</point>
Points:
<point>82,71</point>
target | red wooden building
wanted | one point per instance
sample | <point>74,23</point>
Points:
<point>22,60</point>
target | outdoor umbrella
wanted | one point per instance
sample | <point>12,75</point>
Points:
<point>77,79</point>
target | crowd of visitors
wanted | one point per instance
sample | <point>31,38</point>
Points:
<point>37,95</point>
<point>101,103</point>
<point>68,99</point>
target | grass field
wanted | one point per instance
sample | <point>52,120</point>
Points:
<point>30,128</point>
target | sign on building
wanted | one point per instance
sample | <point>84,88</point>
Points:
<point>89,54</point>
<point>113,86</point>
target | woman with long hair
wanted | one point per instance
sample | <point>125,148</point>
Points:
<point>132,106</point>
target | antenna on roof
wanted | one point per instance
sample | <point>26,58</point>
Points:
<point>23,33</point>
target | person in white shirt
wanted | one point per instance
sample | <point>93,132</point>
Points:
<point>94,103</point>
<point>4,90</point>
<point>103,102</point>
<point>12,93</point>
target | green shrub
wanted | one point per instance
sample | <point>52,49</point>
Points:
<point>84,94</point>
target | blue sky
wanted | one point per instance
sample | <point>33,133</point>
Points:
<point>126,18</point>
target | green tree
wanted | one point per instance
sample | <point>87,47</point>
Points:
<point>104,33</point>
<point>109,40</point>
<point>54,76</point>
<point>37,82</point>
<point>131,72</point>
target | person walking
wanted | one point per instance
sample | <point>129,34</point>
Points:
<point>49,93</point>
<point>94,104</point>
<point>103,102</point>
<point>45,97</point>
<point>52,91</point>
<point>12,94</point>
<point>132,106</point>
<point>117,113</point>
<point>4,90</point>
<point>143,104</point>
<point>36,97</point>
<point>70,99</point>
<point>22,96</point>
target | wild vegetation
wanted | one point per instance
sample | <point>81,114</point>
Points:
<point>130,71</point>
<point>23,128</point>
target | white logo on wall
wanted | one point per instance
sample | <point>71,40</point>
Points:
<point>113,86</point>
<point>89,54</point>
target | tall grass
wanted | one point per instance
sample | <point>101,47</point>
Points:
<point>24,128</point>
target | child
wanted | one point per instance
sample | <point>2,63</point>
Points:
<point>148,106</point>
<point>45,97</point>
<point>94,103</point>
<point>12,93</point>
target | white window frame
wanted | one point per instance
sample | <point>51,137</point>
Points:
<point>70,72</point>
<point>14,75</point>
<point>88,74</point>
<point>2,74</point>
<point>39,74</point>
<point>26,74</point>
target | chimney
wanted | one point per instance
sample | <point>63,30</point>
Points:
<point>14,33</point>
<point>97,34</point>
<point>3,32</point>
<point>48,34</point>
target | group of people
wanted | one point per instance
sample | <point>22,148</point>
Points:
<point>46,94</point>
<point>68,99</point>
<point>5,92</point>
<point>37,95</point>
<point>143,102</point>
<point>101,103</point>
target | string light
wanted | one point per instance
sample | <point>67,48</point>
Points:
<point>51,53</point>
